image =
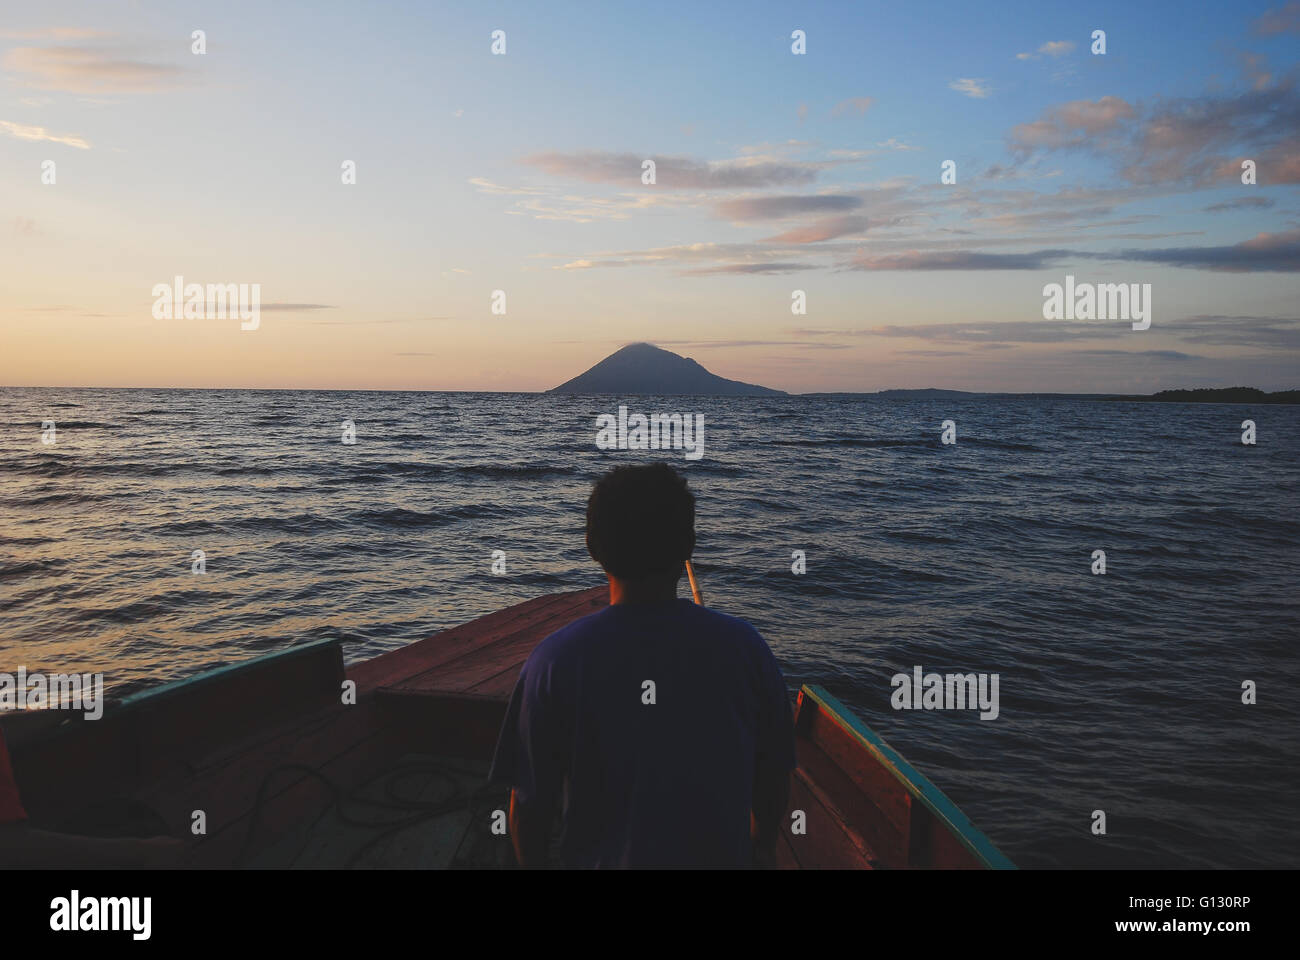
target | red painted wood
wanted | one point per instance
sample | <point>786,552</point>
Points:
<point>824,844</point>
<point>419,658</point>
<point>878,805</point>
<point>76,765</point>
<point>491,658</point>
<point>442,696</point>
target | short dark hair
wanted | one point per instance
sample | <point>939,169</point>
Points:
<point>641,521</point>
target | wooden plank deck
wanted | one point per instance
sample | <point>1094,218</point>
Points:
<point>479,658</point>
<point>301,751</point>
<point>348,743</point>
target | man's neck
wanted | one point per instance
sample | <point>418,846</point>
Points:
<point>650,590</point>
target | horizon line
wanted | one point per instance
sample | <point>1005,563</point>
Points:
<point>811,393</point>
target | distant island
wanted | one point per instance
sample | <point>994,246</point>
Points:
<point>645,368</point>
<point>1199,395</point>
<point>1219,395</point>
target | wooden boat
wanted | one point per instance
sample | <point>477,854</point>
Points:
<point>269,766</point>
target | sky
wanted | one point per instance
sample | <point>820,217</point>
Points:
<point>775,171</point>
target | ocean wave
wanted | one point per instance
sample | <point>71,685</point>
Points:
<point>27,541</point>
<point>402,518</point>
<point>29,568</point>
<point>976,558</point>
<point>51,466</point>
<point>506,471</point>
<point>85,425</point>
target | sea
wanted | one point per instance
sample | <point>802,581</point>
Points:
<point>166,532</point>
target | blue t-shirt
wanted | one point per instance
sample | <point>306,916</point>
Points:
<point>662,783</point>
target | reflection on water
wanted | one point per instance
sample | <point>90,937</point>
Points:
<point>1118,692</point>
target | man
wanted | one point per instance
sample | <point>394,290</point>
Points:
<point>22,845</point>
<point>659,731</point>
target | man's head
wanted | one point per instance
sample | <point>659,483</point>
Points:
<point>641,523</point>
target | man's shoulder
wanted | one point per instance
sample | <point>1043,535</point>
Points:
<point>571,640</point>
<point>568,641</point>
<point>725,626</point>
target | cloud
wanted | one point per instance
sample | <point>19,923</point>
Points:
<point>1031,219</point>
<point>827,229</point>
<point>1178,140</point>
<point>1266,252</point>
<point>590,264</point>
<point>89,70</point>
<point>54,33</point>
<point>706,344</point>
<point>1176,355</point>
<point>368,323</point>
<point>956,260</point>
<point>1271,333</point>
<point>778,208</point>
<point>1277,164</point>
<point>893,143</point>
<point>1067,125</point>
<point>770,267</point>
<point>856,105</point>
<point>1255,66</point>
<point>779,147</point>
<point>578,209</point>
<point>971,87</point>
<point>1285,19</point>
<point>673,172</point>
<point>1052,48</point>
<point>487,186</point>
<point>1241,203</point>
<point>998,331</point>
<point>693,253</point>
<point>40,135</point>
<point>550,204</point>
<point>296,307</point>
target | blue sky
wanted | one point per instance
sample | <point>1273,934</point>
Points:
<point>776,172</point>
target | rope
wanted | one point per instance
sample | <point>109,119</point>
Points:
<point>415,810</point>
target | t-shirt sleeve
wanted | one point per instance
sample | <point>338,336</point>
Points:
<point>775,747</point>
<point>11,807</point>
<point>529,753</point>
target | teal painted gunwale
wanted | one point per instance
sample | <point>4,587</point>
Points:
<point>218,673</point>
<point>916,783</point>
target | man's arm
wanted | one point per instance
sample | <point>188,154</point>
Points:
<point>529,759</point>
<point>771,797</point>
<point>530,832</point>
<point>774,760</point>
